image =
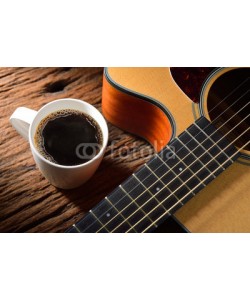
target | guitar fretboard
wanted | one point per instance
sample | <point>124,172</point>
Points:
<point>164,184</point>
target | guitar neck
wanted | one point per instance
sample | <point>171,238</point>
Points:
<point>164,184</point>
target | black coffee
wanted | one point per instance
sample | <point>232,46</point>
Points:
<point>68,137</point>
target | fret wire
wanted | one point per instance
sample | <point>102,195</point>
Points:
<point>159,179</point>
<point>193,162</point>
<point>152,197</point>
<point>204,179</point>
<point>207,176</point>
<point>103,226</point>
<point>133,200</point>
<point>200,144</point>
<point>118,214</point>
<point>210,124</point>
<point>187,168</point>
<point>197,159</point>
<point>210,149</point>
<point>176,176</point>
<point>74,225</point>
<point>150,191</point>
<point>200,156</point>
<point>208,137</point>
<point>88,223</point>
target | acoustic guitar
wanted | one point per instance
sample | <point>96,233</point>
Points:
<point>199,175</point>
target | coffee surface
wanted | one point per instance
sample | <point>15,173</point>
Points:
<point>68,137</point>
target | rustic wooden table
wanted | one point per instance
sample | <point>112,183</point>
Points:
<point>28,203</point>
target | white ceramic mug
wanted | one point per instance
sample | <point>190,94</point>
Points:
<point>26,120</point>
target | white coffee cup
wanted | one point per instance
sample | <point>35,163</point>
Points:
<point>26,120</point>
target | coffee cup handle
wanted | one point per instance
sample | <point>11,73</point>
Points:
<point>21,119</point>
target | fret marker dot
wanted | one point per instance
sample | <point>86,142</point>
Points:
<point>157,189</point>
<point>180,169</point>
<point>108,215</point>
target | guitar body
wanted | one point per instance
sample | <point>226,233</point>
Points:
<point>149,103</point>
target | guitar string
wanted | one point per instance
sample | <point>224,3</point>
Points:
<point>170,169</point>
<point>168,211</point>
<point>190,140</point>
<point>172,193</point>
<point>209,111</point>
<point>119,212</point>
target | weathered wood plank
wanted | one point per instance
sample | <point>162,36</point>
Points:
<point>28,203</point>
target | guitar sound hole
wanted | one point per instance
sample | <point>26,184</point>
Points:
<point>225,101</point>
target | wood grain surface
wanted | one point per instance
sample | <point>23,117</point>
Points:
<point>28,203</point>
